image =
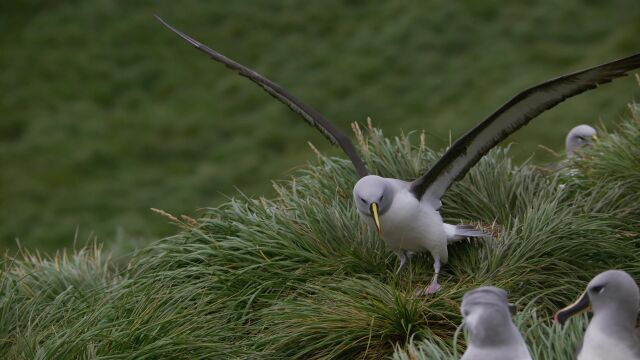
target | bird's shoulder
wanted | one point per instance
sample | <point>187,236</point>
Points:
<point>398,184</point>
<point>404,188</point>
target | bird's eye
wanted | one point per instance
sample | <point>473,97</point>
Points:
<point>381,196</point>
<point>363,200</point>
<point>597,289</point>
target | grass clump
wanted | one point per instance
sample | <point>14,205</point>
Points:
<point>299,276</point>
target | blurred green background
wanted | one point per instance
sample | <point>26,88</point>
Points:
<point>105,114</point>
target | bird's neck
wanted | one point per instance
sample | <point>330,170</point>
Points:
<point>496,336</point>
<point>615,320</point>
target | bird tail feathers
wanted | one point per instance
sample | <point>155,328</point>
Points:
<point>460,232</point>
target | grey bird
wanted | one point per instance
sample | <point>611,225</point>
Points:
<point>579,136</point>
<point>614,299</point>
<point>492,334</point>
<point>405,213</point>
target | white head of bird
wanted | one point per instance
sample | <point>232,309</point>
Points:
<point>492,334</point>
<point>487,316</point>
<point>614,289</point>
<point>373,197</point>
<point>579,136</point>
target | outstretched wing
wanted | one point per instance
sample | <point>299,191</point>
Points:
<point>513,115</point>
<point>314,118</point>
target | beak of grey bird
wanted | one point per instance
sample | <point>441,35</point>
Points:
<point>373,208</point>
<point>595,137</point>
<point>581,305</point>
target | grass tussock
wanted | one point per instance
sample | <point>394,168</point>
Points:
<point>299,276</point>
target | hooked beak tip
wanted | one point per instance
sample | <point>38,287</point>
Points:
<point>557,318</point>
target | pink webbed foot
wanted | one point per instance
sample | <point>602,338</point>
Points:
<point>433,288</point>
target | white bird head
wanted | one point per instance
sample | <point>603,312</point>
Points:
<point>373,196</point>
<point>612,291</point>
<point>580,135</point>
<point>487,315</point>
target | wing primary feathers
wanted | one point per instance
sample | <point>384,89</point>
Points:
<point>314,118</point>
<point>510,117</point>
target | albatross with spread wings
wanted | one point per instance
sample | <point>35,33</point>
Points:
<point>405,213</point>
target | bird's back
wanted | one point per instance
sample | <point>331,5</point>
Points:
<point>411,224</point>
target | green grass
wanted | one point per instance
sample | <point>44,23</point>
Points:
<point>299,276</point>
<point>106,114</point>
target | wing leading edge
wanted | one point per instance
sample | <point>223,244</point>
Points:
<point>516,113</point>
<point>314,118</point>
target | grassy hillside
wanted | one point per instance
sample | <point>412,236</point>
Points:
<point>300,277</point>
<point>106,114</point>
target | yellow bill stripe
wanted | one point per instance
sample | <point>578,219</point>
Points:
<point>374,212</point>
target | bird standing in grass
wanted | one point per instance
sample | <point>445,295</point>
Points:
<point>614,299</point>
<point>578,137</point>
<point>492,334</point>
<point>406,213</point>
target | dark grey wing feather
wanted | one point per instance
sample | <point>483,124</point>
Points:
<point>513,115</point>
<point>314,118</point>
